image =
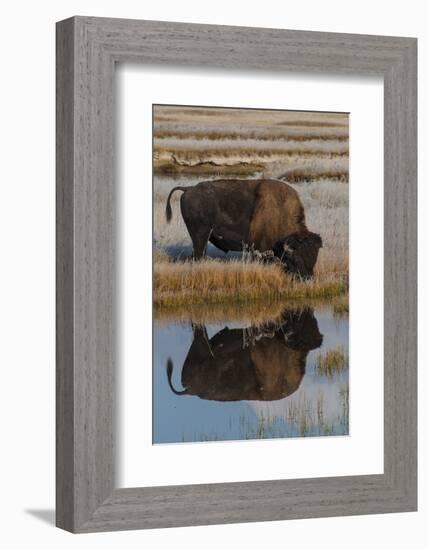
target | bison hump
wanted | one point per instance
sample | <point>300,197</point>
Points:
<point>277,213</point>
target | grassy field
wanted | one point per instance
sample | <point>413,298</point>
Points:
<point>216,281</point>
<point>299,146</point>
<point>308,150</point>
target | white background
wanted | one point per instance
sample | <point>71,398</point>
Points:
<point>215,462</point>
<point>27,273</point>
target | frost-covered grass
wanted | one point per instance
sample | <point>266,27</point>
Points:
<point>217,123</point>
<point>307,150</point>
<point>201,141</point>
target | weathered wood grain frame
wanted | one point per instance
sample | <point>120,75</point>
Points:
<point>87,50</point>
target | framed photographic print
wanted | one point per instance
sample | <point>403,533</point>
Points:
<point>248,326</point>
<point>236,274</point>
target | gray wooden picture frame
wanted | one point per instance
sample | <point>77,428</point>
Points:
<point>87,50</point>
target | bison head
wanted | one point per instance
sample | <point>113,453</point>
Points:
<point>298,252</point>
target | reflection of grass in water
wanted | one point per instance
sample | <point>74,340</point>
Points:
<point>256,313</point>
<point>301,418</point>
<point>341,308</point>
<point>344,395</point>
<point>332,361</point>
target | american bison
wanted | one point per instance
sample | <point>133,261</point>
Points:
<point>255,363</point>
<point>265,215</point>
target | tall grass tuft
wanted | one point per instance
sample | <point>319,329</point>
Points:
<point>332,361</point>
<point>240,281</point>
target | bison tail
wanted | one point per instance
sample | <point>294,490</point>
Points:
<point>168,210</point>
<point>169,367</point>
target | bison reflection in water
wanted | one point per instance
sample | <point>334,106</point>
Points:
<point>264,363</point>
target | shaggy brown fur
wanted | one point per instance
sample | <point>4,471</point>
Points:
<point>242,214</point>
<point>277,212</point>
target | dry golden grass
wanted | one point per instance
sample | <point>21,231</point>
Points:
<point>331,362</point>
<point>200,141</point>
<point>217,281</point>
<point>296,134</point>
<point>206,168</point>
<point>341,308</point>
<point>300,175</point>
<point>243,121</point>
<point>256,313</point>
<point>186,155</point>
<point>291,166</point>
<point>223,144</point>
<point>194,143</point>
<point>243,117</point>
<point>296,164</point>
<point>326,206</point>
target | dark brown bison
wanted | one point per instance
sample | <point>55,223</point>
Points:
<point>263,364</point>
<point>265,215</point>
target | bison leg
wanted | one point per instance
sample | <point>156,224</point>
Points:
<point>200,241</point>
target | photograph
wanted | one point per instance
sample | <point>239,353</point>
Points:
<point>210,275</point>
<point>250,273</point>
